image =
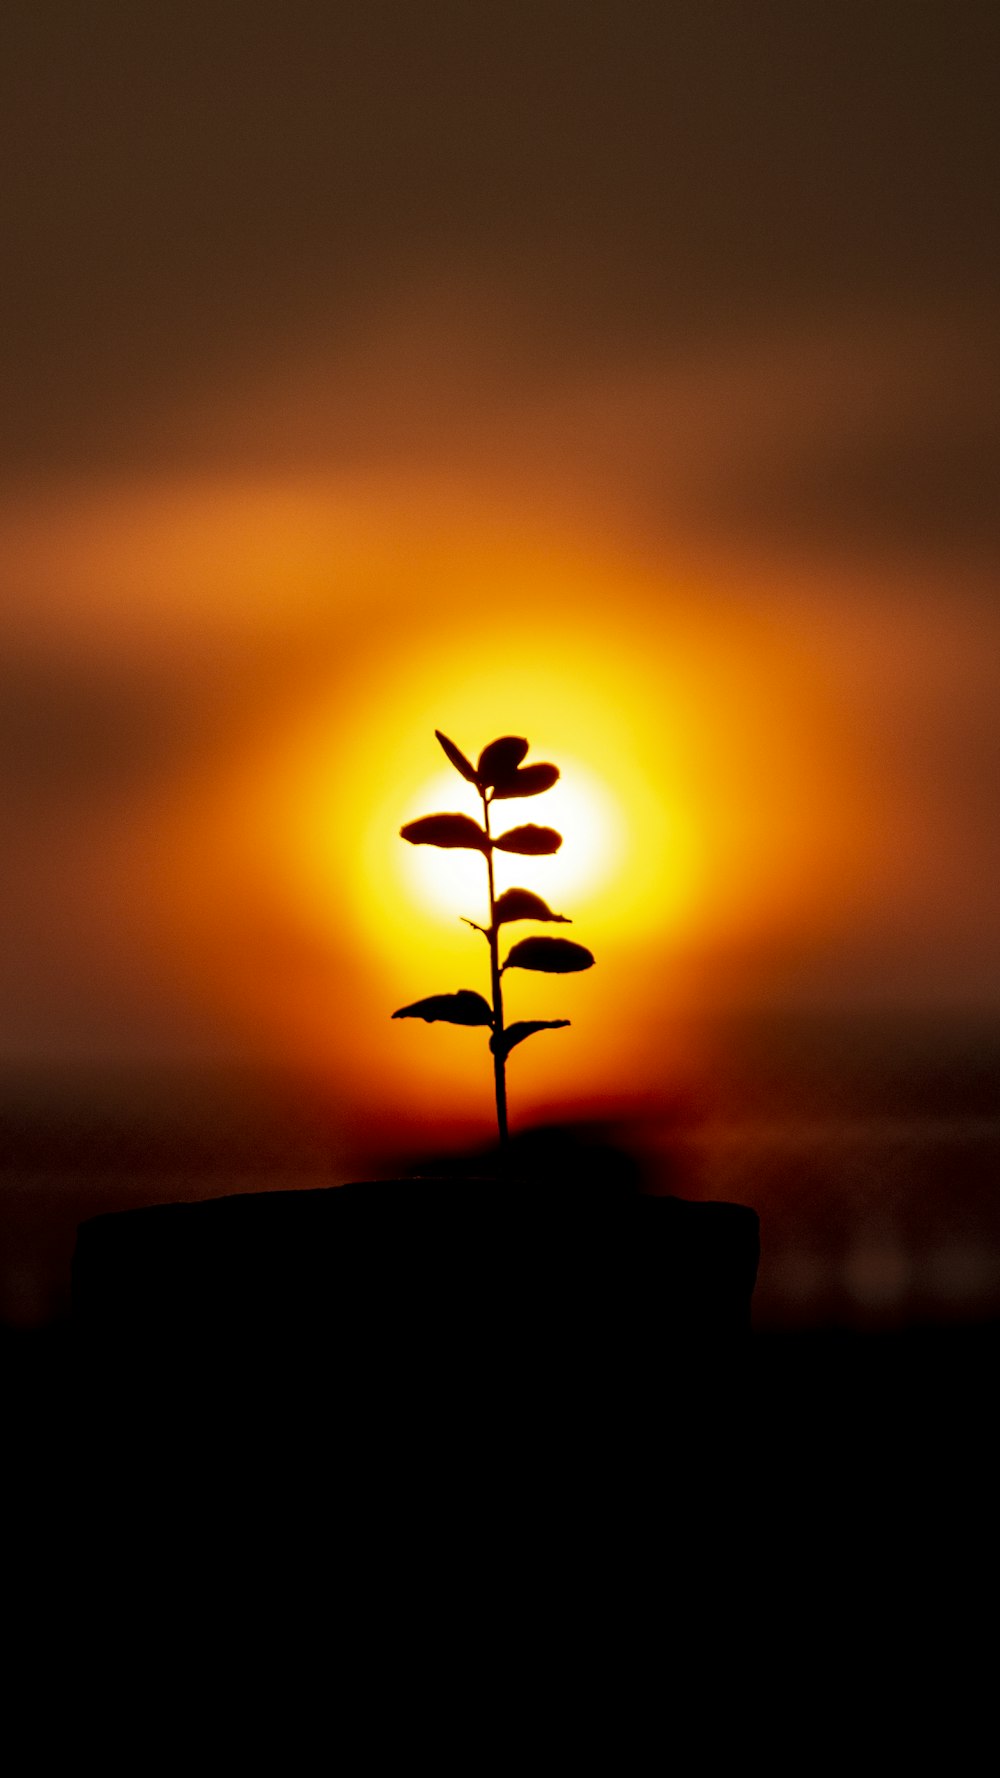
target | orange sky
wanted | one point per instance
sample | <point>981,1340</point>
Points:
<point>328,474</point>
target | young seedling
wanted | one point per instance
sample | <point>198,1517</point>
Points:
<point>499,776</point>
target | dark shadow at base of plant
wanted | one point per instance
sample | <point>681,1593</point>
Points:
<point>583,1158</point>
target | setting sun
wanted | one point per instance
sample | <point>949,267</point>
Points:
<point>704,809</point>
<point>579,806</point>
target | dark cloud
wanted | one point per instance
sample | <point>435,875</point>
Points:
<point>68,730</point>
<point>89,737</point>
<point>924,491</point>
<point>192,187</point>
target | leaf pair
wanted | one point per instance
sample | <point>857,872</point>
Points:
<point>499,769</point>
<point>466,1008</point>
<point>461,831</point>
<point>552,956</point>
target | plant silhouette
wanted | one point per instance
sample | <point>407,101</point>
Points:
<point>499,776</point>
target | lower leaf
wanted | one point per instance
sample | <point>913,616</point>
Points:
<point>523,1028</point>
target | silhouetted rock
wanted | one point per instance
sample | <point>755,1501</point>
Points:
<point>392,1389</point>
<point>441,1292</point>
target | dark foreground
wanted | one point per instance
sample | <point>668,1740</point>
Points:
<point>799,1549</point>
<point>923,1397</point>
<point>526,1505</point>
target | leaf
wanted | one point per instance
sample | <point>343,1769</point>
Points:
<point>555,956</point>
<point>533,842</point>
<point>517,1033</point>
<point>457,757</point>
<point>463,1008</point>
<point>521,904</point>
<point>529,781</point>
<point>446,830</point>
<point>500,758</point>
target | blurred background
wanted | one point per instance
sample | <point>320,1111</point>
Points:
<point>616,375</point>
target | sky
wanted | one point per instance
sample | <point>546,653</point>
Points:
<point>619,375</point>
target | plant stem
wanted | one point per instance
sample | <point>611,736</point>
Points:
<point>499,1060</point>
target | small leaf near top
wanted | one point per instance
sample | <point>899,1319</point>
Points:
<point>446,830</point>
<point>531,841</point>
<point>529,781</point>
<point>500,759</point>
<point>463,1008</point>
<point>457,757</point>
<point>522,904</point>
<point>555,956</point>
<point>523,1028</point>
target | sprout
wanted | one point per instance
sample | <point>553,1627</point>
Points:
<point>498,776</point>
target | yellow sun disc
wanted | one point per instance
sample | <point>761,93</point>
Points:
<point>454,882</point>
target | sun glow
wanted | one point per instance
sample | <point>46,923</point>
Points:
<point>580,807</point>
<point>628,862</point>
<point>695,803</point>
<point>627,875</point>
